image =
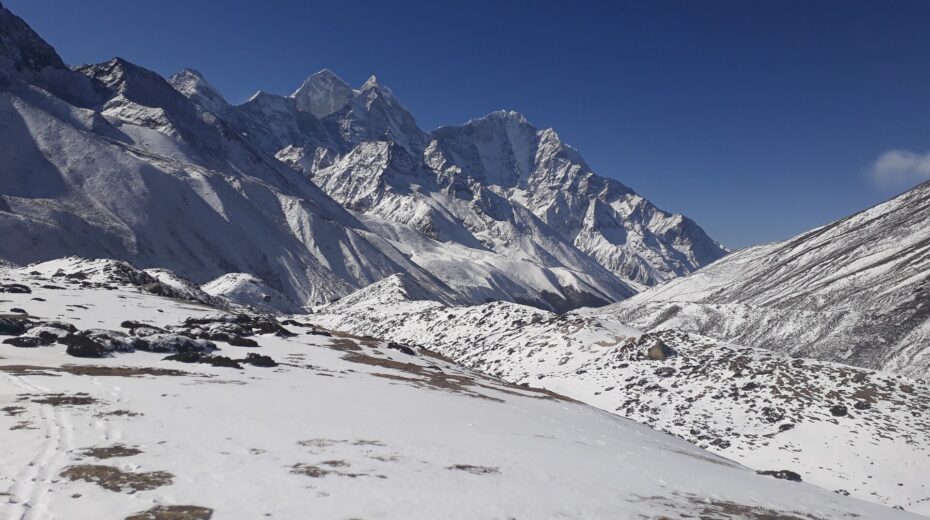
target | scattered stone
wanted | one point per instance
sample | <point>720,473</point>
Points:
<point>783,474</point>
<point>15,288</point>
<point>207,359</point>
<point>18,310</point>
<point>839,410</point>
<point>475,470</point>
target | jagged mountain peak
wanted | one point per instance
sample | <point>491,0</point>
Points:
<point>192,84</point>
<point>21,49</point>
<point>371,83</point>
<point>323,93</point>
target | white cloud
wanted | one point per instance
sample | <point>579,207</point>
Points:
<point>901,168</point>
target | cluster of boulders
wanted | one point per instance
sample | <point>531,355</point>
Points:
<point>190,341</point>
<point>251,358</point>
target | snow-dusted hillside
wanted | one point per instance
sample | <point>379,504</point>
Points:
<point>856,291</point>
<point>327,430</point>
<point>846,429</point>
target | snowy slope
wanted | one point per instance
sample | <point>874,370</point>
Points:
<point>345,427</point>
<point>765,410</point>
<point>856,291</point>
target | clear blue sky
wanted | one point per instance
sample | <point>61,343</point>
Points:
<point>757,119</point>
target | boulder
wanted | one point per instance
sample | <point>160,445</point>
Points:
<point>82,346</point>
<point>659,351</point>
<point>13,325</point>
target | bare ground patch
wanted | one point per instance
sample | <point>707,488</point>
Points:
<point>314,471</point>
<point>12,411</point>
<point>91,370</point>
<point>115,479</point>
<point>78,399</point>
<point>174,513</point>
<point>111,452</point>
<point>475,470</point>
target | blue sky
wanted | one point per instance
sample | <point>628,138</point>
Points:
<point>757,119</point>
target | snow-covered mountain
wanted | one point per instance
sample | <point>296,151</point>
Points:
<point>856,291</point>
<point>270,419</point>
<point>850,430</point>
<point>112,161</point>
<point>497,181</point>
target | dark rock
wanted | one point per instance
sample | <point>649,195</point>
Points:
<point>783,474</point>
<point>15,288</point>
<point>207,359</point>
<point>239,341</point>
<point>173,343</point>
<point>17,310</point>
<point>403,348</point>
<point>785,427</point>
<point>839,410</point>
<point>771,415</point>
<point>13,325</point>
<point>82,346</point>
<point>60,325</point>
<point>258,360</point>
<point>862,405</point>
<point>659,351</point>
<point>317,332</point>
<point>23,341</point>
<point>665,371</point>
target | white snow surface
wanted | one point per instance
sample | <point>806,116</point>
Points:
<point>344,427</point>
<point>246,289</point>
<point>762,409</point>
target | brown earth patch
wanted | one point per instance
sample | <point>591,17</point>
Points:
<point>118,413</point>
<point>475,470</point>
<point>12,411</point>
<point>309,470</point>
<point>111,452</point>
<point>91,370</point>
<point>78,399</point>
<point>115,479</point>
<point>174,513</point>
<point>23,425</point>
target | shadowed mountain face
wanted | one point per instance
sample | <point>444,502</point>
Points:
<point>855,291</point>
<point>111,160</point>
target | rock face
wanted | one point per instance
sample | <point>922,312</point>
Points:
<point>855,291</point>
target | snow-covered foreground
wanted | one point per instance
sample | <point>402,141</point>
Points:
<point>847,429</point>
<point>343,427</point>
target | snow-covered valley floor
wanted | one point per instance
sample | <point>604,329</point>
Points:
<point>342,427</point>
<point>850,430</point>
